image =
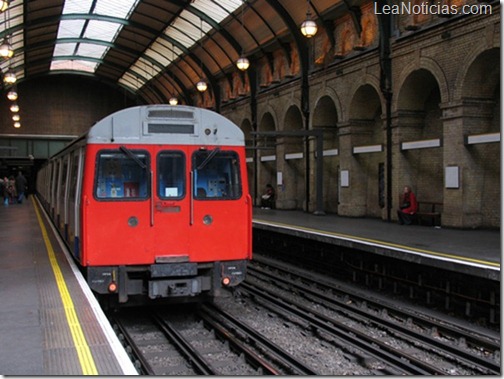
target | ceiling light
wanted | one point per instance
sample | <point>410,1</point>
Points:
<point>12,95</point>
<point>6,50</point>
<point>308,27</point>
<point>14,108</point>
<point>16,117</point>
<point>17,124</point>
<point>4,4</point>
<point>242,63</point>
<point>201,86</point>
<point>10,77</point>
<point>173,100</point>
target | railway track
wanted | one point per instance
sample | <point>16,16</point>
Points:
<point>207,341</point>
<point>286,321</point>
<point>331,308</point>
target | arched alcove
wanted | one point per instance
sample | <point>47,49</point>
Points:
<point>420,119</point>
<point>367,143</point>
<point>293,167</point>
<point>266,154</point>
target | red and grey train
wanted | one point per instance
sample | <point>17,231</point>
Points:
<point>153,203</point>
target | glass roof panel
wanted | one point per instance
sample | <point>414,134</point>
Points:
<point>115,8</point>
<point>70,28</point>
<point>91,50</point>
<point>77,6</point>
<point>93,29</point>
<point>217,10</point>
<point>187,30</point>
<point>101,30</point>
<point>187,27</point>
<point>62,49</point>
<point>74,65</point>
<point>130,81</point>
<point>160,52</point>
<point>143,68</point>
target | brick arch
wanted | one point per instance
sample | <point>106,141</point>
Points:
<point>429,65</point>
<point>292,110</point>
<point>370,80</point>
<point>330,93</point>
<point>267,111</point>
<point>294,101</point>
<point>474,57</point>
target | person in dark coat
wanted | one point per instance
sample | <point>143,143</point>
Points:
<point>21,183</point>
<point>5,190</point>
<point>408,207</point>
<point>268,197</point>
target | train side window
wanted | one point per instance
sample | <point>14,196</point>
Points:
<point>171,174</point>
<point>118,176</point>
<point>74,172</point>
<point>216,175</point>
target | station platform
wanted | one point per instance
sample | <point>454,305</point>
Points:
<point>475,252</point>
<point>50,322</point>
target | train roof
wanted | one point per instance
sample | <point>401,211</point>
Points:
<point>159,124</point>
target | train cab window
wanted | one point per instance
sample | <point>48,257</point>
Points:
<point>216,175</point>
<point>122,174</point>
<point>171,175</point>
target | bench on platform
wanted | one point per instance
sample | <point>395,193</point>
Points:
<point>429,210</point>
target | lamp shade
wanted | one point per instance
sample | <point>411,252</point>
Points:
<point>242,63</point>
<point>12,95</point>
<point>10,77</point>
<point>6,50</point>
<point>201,86</point>
<point>309,28</point>
<point>4,4</point>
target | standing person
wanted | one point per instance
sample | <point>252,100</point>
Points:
<point>12,190</point>
<point>408,207</point>
<point>5,190</point>
<point>21,183</point>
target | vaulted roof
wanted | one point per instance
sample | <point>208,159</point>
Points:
<point>155,48</point>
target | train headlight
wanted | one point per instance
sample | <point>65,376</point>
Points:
<point>207,219</point>
<point>226,281</point>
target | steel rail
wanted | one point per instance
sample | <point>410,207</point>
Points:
<point>351,336</point>
<point>253,358</point>
<point>198,362</point>
<point>147,368</point>
<point>278,353</point>
<point>432,343</point>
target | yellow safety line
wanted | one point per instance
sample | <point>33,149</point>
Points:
<point>493,264</point>
<point>85,358</point>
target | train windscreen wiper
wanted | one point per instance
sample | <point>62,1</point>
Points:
<point>132,156</point>
<point>208,158</point>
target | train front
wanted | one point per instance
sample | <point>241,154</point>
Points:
<point>166,210</point>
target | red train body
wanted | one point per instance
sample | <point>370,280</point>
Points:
<point>153,203</point>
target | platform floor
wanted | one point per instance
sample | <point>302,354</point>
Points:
<point>470,251</point>
<point>50,322</point>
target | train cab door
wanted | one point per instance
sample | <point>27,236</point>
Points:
<point>219,208</point>
<point>171,206</point>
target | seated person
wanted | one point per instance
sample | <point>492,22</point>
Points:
<point>408,207</point>
<point>268,198</point>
